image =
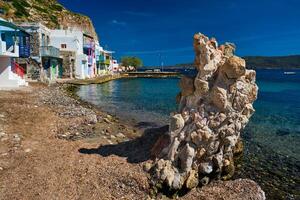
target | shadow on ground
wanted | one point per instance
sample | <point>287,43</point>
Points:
<point>136,150</point>
<point>145,125</point>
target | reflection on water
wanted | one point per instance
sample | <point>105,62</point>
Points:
<point>148,100</point>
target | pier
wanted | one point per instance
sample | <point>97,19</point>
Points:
<point>150,74</point>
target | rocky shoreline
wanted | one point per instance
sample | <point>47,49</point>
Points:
<point>55,146</point>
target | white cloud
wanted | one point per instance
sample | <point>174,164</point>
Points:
<point>118,23</point>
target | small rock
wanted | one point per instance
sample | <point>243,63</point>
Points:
<point>2,116</point>
<point>27,150</point>
<point>2,134</point>
<point>205,168</point>
<point>204,181</point>
<point>16,139</point>
<point>121,135</point>
<point>109,142</point>
<point>4,139</point>
<point>147,166</point>
<point>106,120</point>
<point>1,168</point>
<point>112,137</point>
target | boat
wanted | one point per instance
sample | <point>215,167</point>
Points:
<point>289,73</point>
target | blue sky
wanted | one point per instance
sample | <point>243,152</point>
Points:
<point>153,28</point>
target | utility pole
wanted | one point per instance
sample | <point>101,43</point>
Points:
<point>161,63</point>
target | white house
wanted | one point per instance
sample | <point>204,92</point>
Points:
<point>11,74</point>
<point>82,55</point>
<point>47,57</point>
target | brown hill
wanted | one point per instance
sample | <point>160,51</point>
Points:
<point>49,12</point>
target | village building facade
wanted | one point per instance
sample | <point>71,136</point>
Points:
<point>14,43</point>
<point>45,61</point>
<point>70,44</point>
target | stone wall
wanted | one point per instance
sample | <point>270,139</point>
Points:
<point>34,44</point>
<point>68,63</point>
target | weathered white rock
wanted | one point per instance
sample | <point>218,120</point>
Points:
<point>214,107</point>
<point>2,134</point>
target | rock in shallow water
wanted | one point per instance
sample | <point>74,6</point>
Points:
<point>214,107</point>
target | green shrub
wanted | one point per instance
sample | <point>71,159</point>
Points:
<point>20,6</point>
<point>23,3</point>
<point>40,1</point>
<point>54,20</point>
<point>40,9</point>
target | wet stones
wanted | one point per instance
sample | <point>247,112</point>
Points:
<point>214,107</point>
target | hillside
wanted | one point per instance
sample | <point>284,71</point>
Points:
<point>256,62</point>
<point>49,12</point>
<point>282,62</point>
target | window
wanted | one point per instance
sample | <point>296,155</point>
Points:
<point>43,40</point>
<point>63,46</point>
<point>48,40</point>
<point>3,37</point>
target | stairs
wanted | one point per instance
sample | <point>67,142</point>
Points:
<point>17,74</point>
<point>18,80</point>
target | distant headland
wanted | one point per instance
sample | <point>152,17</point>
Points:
<point>253,62</point>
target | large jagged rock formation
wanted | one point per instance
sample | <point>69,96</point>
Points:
<point>214,107</point>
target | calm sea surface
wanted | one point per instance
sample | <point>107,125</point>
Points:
<point>272,136</point>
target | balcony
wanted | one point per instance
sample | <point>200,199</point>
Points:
<point>89,46</point>
<point>101,58</point>
<point>10,50</point>
<point>49,51</point>
<point>107,62</point>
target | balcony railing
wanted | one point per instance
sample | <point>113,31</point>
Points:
<point>89,46</point>
<point>9,49</point>
<point>49,51</point>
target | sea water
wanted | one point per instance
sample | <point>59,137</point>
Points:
<point>272,137</point>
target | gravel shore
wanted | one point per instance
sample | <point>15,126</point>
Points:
<point>53,146</point>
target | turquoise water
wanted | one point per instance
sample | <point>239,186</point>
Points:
<point>272,137</point>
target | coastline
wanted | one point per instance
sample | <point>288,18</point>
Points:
<point>255,164</point>
<point>106,78</point>
<point>35,151</point>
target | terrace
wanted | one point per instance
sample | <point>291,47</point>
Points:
<point>49,51</point>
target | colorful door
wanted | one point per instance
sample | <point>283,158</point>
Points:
<point>60,70</point>
<point>53,69</point>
